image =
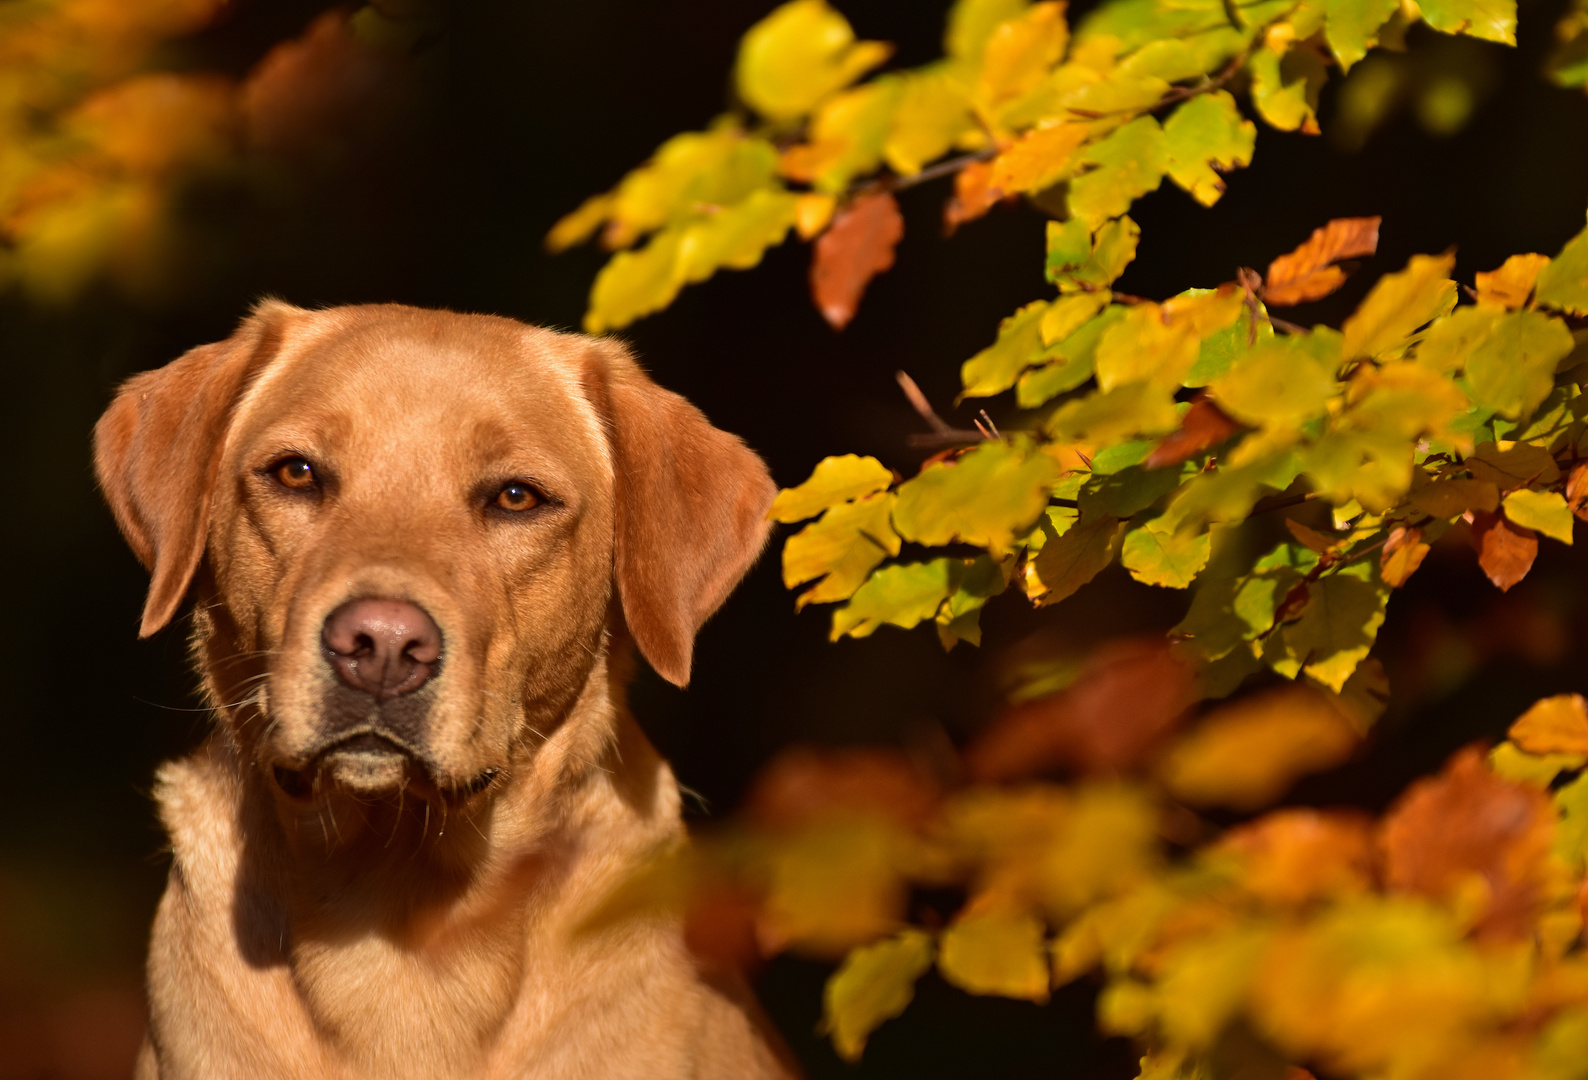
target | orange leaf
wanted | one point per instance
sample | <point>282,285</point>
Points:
<point>1512,283</point>
<point>1309,273</point>
<point>1293,856</point>
<point>802,785</point>
<point>1554,725</point>
<point>856,248</point>
<point>1311,538</point>
<point>1203,427</point>
<point>1505,551</point>
<point>974,195</point>
<point>1577,490</point>
<point>1130,694</point>
<point>1468,829</point>
<point>1037,159</point>
<point>1403,553</point>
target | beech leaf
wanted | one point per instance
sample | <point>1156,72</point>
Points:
<point>856,247</point>
<point>834,480</point>
<point>1541,511</point>
<point>797,55</point>
<point>1310,272</point>
<point>875,983</point>
<point>1553,725</point>
<point>1505,551</point>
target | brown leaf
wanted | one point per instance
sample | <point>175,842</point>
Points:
<point>803,784</point>
<point>1468,829</point>
<point>1577,490</point>
<point>1203,427</point>
<point>973,196</point>
<point>1309,273</point>
<point>1505,551</point>
<point>1130,694</point>
<point>855,248</point>
<point>1403,553</point>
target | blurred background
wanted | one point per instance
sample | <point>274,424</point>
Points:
<point>164,163</point>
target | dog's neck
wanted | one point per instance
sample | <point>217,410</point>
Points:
<point>383,913</point>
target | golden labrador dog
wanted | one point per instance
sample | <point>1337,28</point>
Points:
<point>418,545</point>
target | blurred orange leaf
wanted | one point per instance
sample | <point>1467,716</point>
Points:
<point>1512,283</point>
<point>855,248</point>
<point>1309,272</point>
<point>1403,553</point>
<point>1468,829</point>
<point>1293,856</point>
<point>1128,697</point>
<point>1555,725</point>
<point>802,785</point>
<point>973,196</point>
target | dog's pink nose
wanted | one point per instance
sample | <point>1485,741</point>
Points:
<point>382,647</point>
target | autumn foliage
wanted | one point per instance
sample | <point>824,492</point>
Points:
<point>1110,823</point>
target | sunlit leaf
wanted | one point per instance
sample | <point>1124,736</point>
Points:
<point>1081,259</point>
<point>1296,855</point>
<point>831,886</point>
<point>1354,25</point>
<point>1019,345</point>
<point>972,22</point>
<point>1563,284</point>
<point>1141,408</point>
<point>577,227</point>
<point>1511,285</point>
<point>1126,165</point>
<point>1205,137</point>
<point>1399,303</point>
<point>797,55</point>
<point>875,983</point>
<point>901,594</point>
<point>996,951</point>
<point>1285,89</point>
<point>1155,555</point>
<point>1282,383</point>
<point>932,113</point>
<point>987,496</point>
<point>1311,271</point>
<point>1553,725</point>
<point>1491,20</point>
<point>1019,52</point>
<point>841,549</point>
<point>1402,554</point>
<point>1512,368</point>
<point>855,248</point>
<point>1070,362</point>
<point>1038,159</point>
<point>1144,346</point>
<point>834,480</point>
<point>846,137</point>
<point>1541,511</point>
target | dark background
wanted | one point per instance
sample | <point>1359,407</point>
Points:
<point>537,106</point>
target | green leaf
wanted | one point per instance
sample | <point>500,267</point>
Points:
<point>1205,137</point>
<point>959,619</point>
<point>1155,555</point>
<point>1545,511</point>
<point>903,595</point>
<point>1071,361</point>
<point>1491,20</point>
<point>1127,164</point>
<point>1067,562</point>
<point>1353,27</point>
<point>797,55</point>
<point>833,481</point>
<point>1281,383</point>
<point>996,952</point>
<point>1220,349</point>
<point>1563,284</point>
<point>1336,629</point>
<point>841,548</point>
<point>1285,89</point>
<point>874,983</point>
<point>1450,340</point>
<point>987,496</point>
<point>1398,304</point>
<point>1127,492</point>
<point>1082,260</point>
<point>1019,345</point>
<point>1512,369</point>
<point>1143,408</point>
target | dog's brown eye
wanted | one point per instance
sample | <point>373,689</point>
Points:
<point>293,472</point>
<point>516,495</point>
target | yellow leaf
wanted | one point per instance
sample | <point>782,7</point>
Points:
<point>575,228</point>
<point>902,595</point>
<point>1400,303</point>
<point>1129,163</point>
<point>1139,408</point>
<point>1067,314</point>
<point>1247,754</point>
<point>635,283</point>
<point>1281,383</point>
<point>1144,346</point>
<point>1156,555</point>
<point>972,22</point>
<point>874,983</point>
<point>1544,511</point>
<point>1205,981</point>
<point>803,51</point>
<point>687,173</point>
<point>1038,159</point>
<point>812,213</point>
<point>1019,53</point>
<point>1510,762</point>
<point>1553,725</point>
<point>846,138</point>
<point>831,886</point>
<point>996,952</point>
<point>833,481</point>
<point>933,113</point>
<point>735,237</point>
<point>1107,844</point>
<point>987,496</point>
<point>842,548</point>
<point>1511,285</point>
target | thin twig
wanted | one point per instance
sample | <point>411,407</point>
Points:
<point>919,403</point>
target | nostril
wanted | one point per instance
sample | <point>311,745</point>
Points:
<point>382,646</point>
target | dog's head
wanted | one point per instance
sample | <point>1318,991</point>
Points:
<point>412,531</point>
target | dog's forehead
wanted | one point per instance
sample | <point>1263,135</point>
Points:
<point>490,384</point>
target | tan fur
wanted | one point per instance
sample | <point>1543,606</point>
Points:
<point>424,931</point>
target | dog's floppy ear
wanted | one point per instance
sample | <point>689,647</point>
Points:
<point>157,449</point>
<point>690,512</point>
